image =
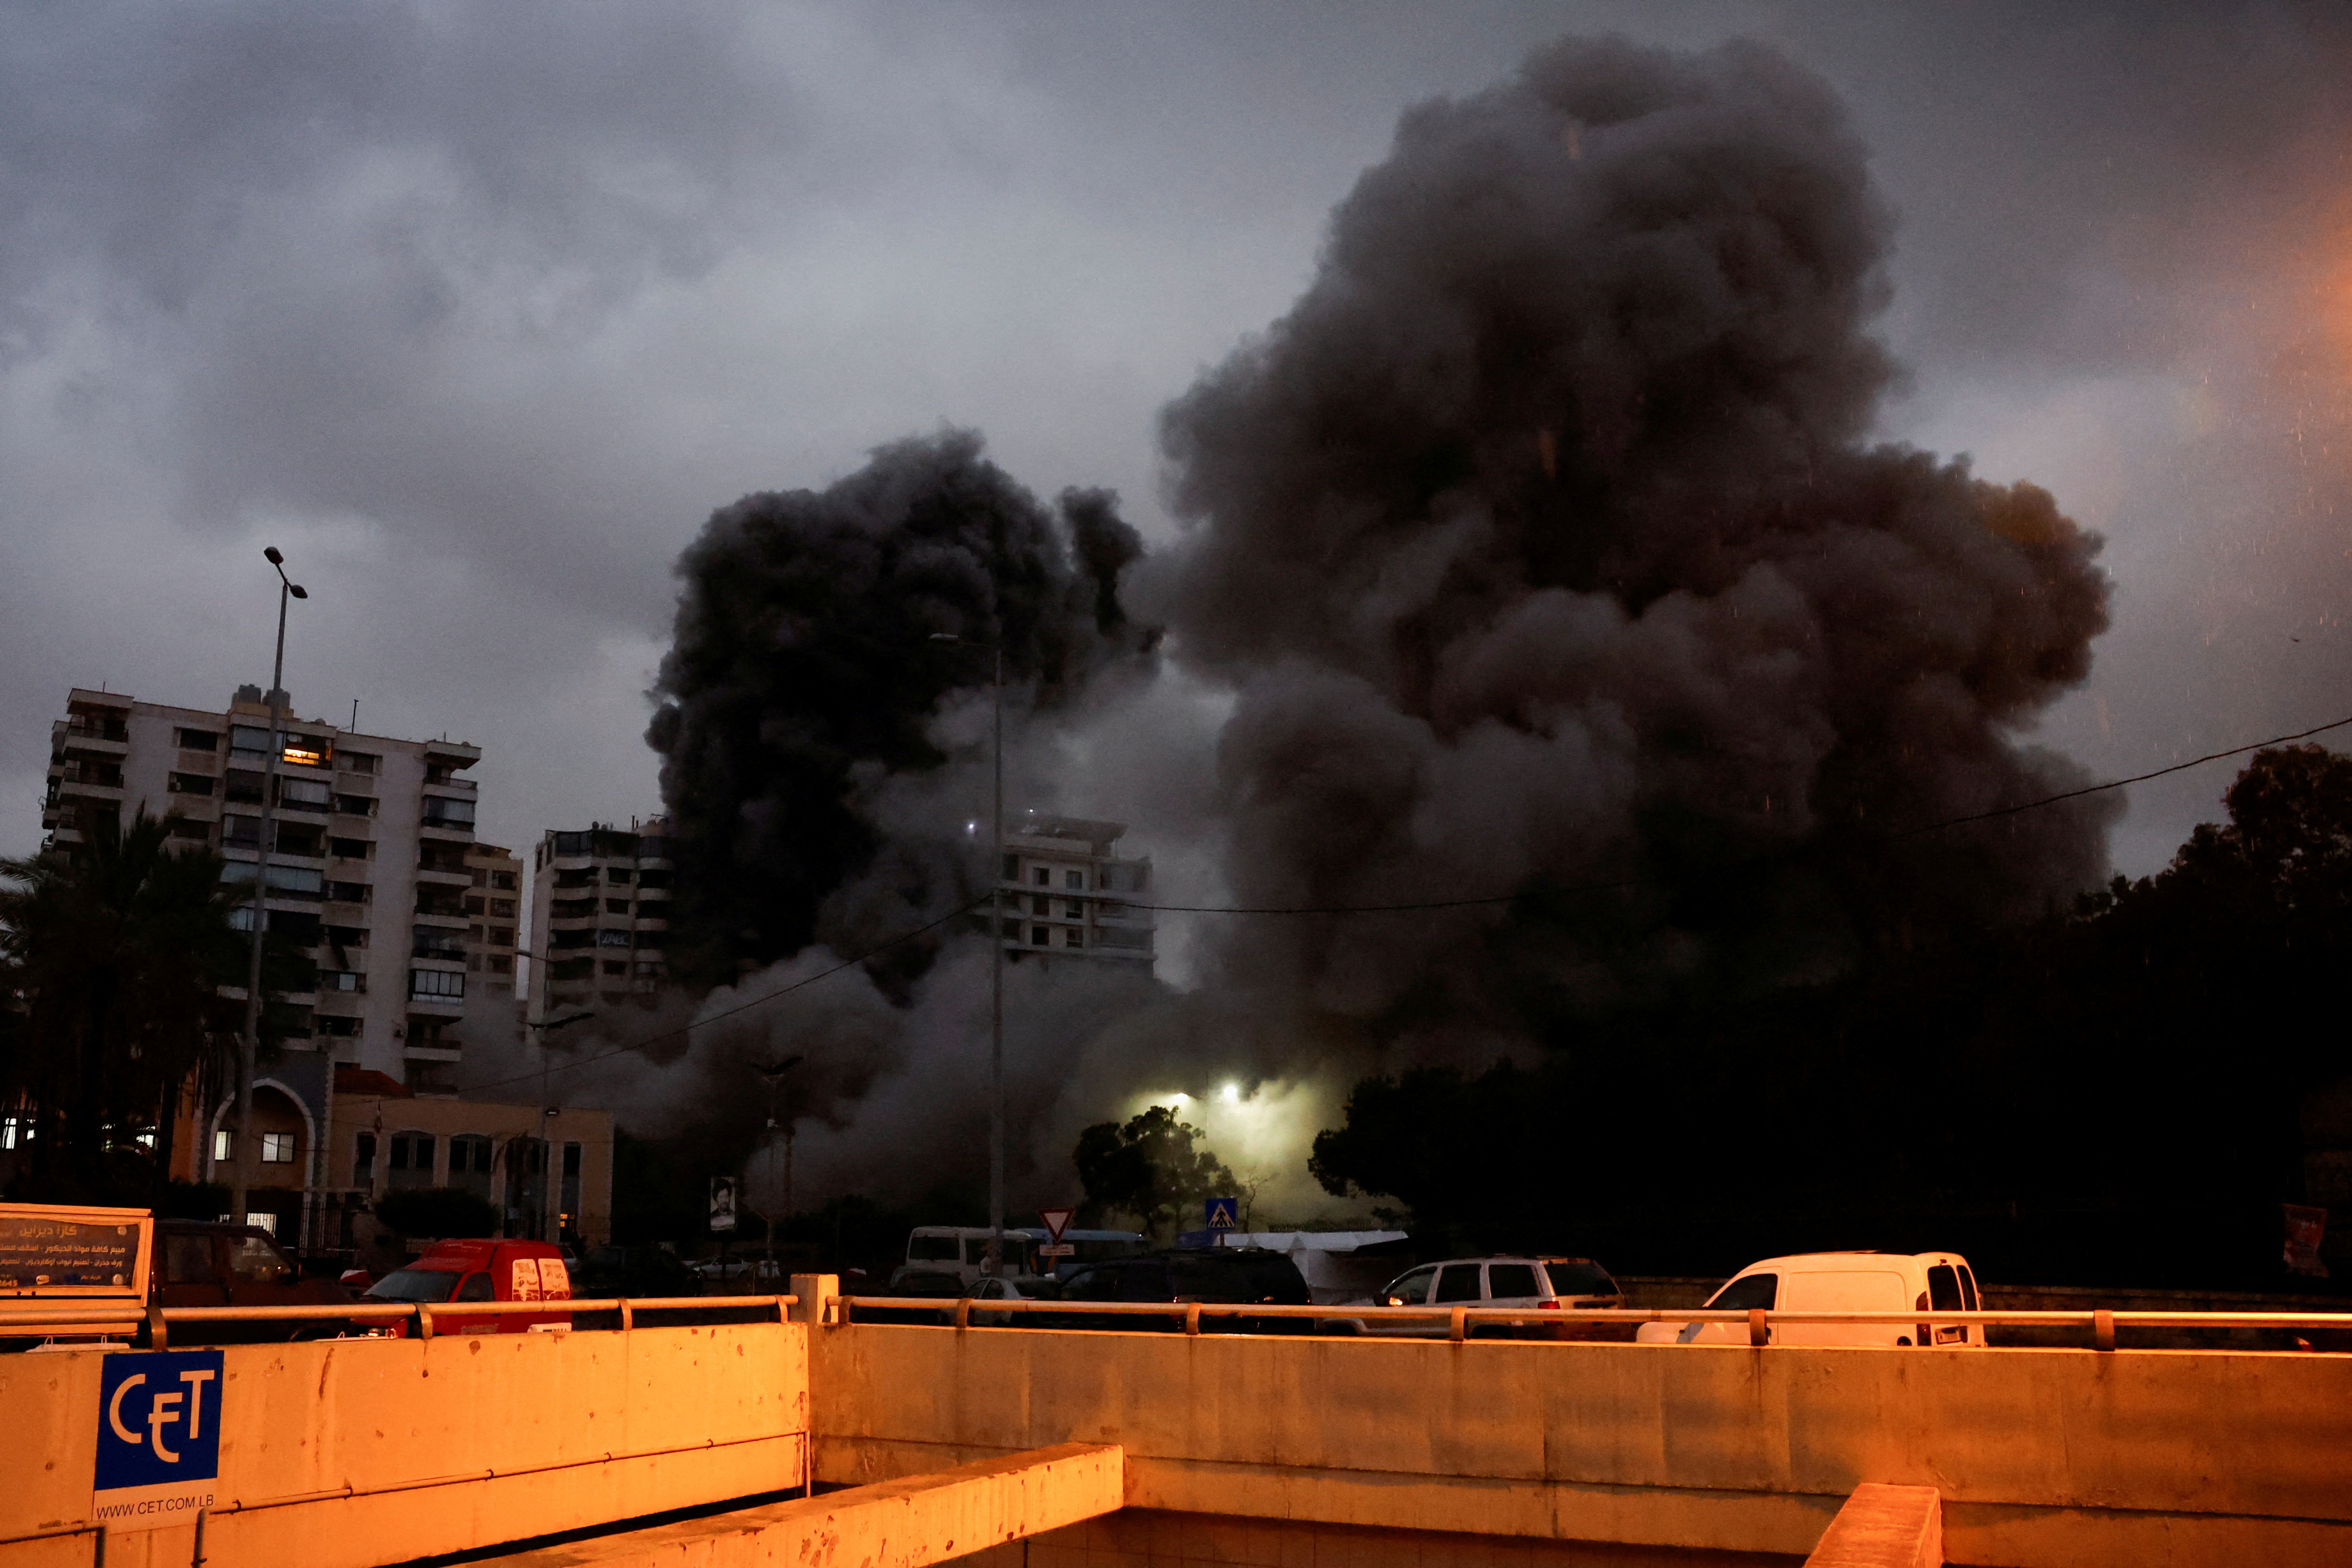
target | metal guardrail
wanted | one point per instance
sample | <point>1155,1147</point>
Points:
<point>157,1320</point>
<point>1460,1317</point>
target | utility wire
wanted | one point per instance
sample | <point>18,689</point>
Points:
<point>1408,908</point>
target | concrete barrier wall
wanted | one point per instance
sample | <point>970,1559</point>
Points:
<point>2052,1457</point>
<point>603,1426</point>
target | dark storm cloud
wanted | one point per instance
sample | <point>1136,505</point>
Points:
<point>1542,543</point>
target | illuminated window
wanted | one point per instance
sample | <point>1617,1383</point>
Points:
<point>277,1148</point>
<point>221,1143</point>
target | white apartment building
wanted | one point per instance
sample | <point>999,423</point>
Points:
<point>1064,894</point>
<point>599,916</point>
<point>370,871</point>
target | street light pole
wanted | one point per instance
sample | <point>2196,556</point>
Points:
<point>996,967</point>
<point>249,1047</point>
<point>547,1114</point>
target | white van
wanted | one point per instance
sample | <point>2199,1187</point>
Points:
<point>962,1250</point>
<point>1921,1282</point>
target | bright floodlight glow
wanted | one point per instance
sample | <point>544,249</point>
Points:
<point>1231,1094</point>
<point>1180,1098</point>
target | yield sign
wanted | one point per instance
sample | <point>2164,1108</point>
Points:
<point>1056,1221</point>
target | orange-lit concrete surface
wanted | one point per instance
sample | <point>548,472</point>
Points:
<point>1238,1452</point>
<point>512,1436</point>
<point>899,1524</point>
<point>1884,1527</point>
<point>2069,1458</point>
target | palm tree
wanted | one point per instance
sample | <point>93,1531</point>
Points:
<point>112,956</point>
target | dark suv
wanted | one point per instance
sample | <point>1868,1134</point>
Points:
<point>1237,1274</point>
<point>201,1264</point>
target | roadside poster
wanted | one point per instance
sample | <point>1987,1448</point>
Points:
<point>722,1203</point>
<point>2306,1228</point>
<point>158,1419</point>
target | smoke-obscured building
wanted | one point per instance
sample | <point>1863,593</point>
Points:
<point>369,873</point>
<point>1064,892</point>
<point>493,916</point>
<point>599,916</point>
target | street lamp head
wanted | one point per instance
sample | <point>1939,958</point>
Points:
<point>295,589</point>
<point>269,553</point>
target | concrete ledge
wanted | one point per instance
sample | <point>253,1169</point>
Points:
<point>1885,1526</point>
<point>908,1523</point>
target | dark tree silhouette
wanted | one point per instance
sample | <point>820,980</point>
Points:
<point>1148,1169</point>
<point>111,959</point>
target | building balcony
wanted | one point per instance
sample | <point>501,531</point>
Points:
<point>442,876</point>
<point>452,789</point>
<point>446,832</point>
<point>106,734</point>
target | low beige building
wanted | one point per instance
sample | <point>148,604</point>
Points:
<point>548,1171</point>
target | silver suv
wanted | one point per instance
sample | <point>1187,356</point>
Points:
<point>1540,1284</point>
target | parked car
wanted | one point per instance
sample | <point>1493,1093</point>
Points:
<point>1923,1283</point>
<point>452,1273</point>
<point>199,1263</point>
<point>1043,1290</point>
<point>609,1271</point>
<point>1219,1274</point>
<point>1535,1284</point>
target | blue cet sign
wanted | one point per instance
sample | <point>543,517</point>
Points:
<point>1225,1214</point>
<point>159,1421</point>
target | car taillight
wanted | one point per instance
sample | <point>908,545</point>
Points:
<point>1550,1304</point>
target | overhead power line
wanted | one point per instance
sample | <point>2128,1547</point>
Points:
<point>882,948</point>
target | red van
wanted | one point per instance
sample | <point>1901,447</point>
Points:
<point>452,1273</point>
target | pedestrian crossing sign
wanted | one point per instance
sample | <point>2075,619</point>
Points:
<point>1225,1214</point>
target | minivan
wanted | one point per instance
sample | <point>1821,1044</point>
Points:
<point>452,1273</point>
<point>1921,1283</point>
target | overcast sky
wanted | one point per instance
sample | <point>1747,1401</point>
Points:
<point>476,312</point>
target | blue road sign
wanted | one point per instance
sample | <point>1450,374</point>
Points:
<point>1225,1214</point>
<point>159,1421</point>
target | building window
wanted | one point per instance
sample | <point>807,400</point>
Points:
<point>616,966</point>
<point>470,1158</point>
<point>500,963</point>
<point>412,1160</point>
<point>277,1148</point>
<point>199,740</point>
<point>616,907</point>
<point>355,805</point>
<point>618,874</point>
<point>1013,868</point>
<point>191,784</point>
<point>1073,938</point>
<point>1045,877</point>
<point>363,1160</point>
<point>356,762</point>
<point>504,881</point>
<point>1010,930</point>
<point>1077,910</point>
<point>443,813</point>
<point>221,1142</point>
<point>350,849</point>
<point>435,985</point>
<point>1076,880</point>
<point>1040,936</point>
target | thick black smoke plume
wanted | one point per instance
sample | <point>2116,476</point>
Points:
<point>803,673</point>
<point>1544,547</point>
<point>1541,546</point>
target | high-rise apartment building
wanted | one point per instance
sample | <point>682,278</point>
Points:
<point>599,916</point>
<point>1064,892</point>
<point>370,871</point>
<point>494,916</point>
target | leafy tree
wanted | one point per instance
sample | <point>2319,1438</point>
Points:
<point>1150,1168</point>
<point>113,955</point>
<point>435,1212</point>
